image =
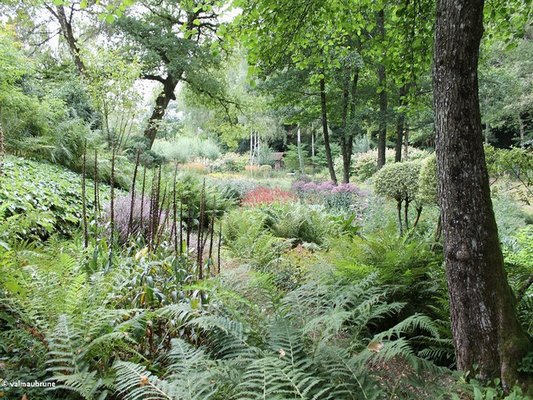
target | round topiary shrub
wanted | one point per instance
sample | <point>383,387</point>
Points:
<point>399,181</point>
<point>427,190</point>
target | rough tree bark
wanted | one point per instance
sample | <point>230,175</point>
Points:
<point>324,108</point>
<point>485,328</point>
<point>382,81</point>
<point>161,104</point>
<point>67,32</point>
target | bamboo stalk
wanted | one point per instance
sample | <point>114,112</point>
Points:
<point>219,247</point>
<point>174,212</point>
<point>96,188</point>
<point>142,200</point>
<point>132,202</point>
<point>161,225</point>
<point>83,196</point>
<point>200,234</point>
<point>212,229</point>
<point>181,225</point>
<point>112,204</point>
<point>189,222</point>
<point>151,211</point>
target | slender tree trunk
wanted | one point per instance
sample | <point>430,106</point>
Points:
<point>258,147</point>
<point>382,83</point>
<point>406,142</point>
<point>400,126</point>
<point>399,210</point>
<point>251,148</point>
<point>485,327</point>
<point>300,158</point>
<point>323,105</point>
<point>346,153</point>
<point>313,149</point>
<point>487,132</point>
<point>351,125</point>
<point>161,104</point>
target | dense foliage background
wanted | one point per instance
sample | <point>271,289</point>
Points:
<point>172,219</point>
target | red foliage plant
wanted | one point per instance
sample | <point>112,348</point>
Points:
<point>265,195</point>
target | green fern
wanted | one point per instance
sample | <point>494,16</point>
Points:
<point>66,362</point>
<point>134,382</point>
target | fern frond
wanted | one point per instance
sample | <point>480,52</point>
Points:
<point>271,378</point>
<point>180,313</point>
<point>347,375</point>
<point>287,341</point>
<point>227,337</point>
<point>411,324</point>
<point>134,382</point>
<point>388,351</point>
<point>66,361</point>
<point>184,357</point>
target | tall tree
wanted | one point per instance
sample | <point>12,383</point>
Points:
<point>174,40</point>
<point>382,83</point>
<point>485,327</point>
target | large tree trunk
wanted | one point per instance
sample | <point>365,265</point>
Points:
<point>382,82</point>
<point>485,328</point>
<point>161,104</point>
<point>324,108</point>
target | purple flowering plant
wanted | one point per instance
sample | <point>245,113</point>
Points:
<point>344,196</point>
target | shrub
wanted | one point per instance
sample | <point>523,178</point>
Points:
<point>509,217</point>
<point>264,195</point>
<point>266,170</point>
<point>364,165</point>
<point>408,263</point>
<point>291,158</point>
<point>343,197</point>
<point>140,222</point>
<point>185,149</point>
<point>515,164</point>
<point>230,162</point>
<point>518,255</point>
<point>427,192</point>
<point>265,156</point>
<point>298,222</point>
<point>194,167</point>
<point>252,170</point>
<point>245,237</point>
<point>399,181</point>
<point>234,189</point>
